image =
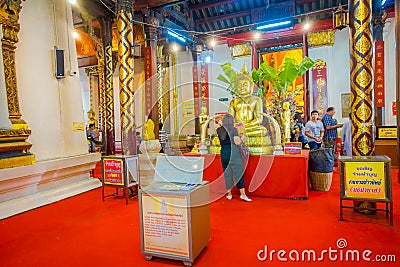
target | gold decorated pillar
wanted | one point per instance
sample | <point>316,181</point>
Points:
<point>151,30</point>
<point>126,75</point>
<point>14,150</point>
<point>361,76</point>
<point>108,82</point>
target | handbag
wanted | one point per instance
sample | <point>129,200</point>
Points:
<point>244,150</point>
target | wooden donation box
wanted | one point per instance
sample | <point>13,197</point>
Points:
<point>120,171</point>
<point>386,143</point>
<point>366,179</point>
<point>175,210</point>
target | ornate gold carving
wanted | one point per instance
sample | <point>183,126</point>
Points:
<point>17,161</point>
<point>321,38</point>
<point>240,50</point>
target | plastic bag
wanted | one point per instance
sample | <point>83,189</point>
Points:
<point>321,160</point>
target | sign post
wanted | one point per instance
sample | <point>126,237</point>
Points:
<point>120,171</point>
<point>366,178</point>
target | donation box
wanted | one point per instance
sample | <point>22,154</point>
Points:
<point>175,211</point>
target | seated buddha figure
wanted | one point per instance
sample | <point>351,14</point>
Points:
<point>247,109</point>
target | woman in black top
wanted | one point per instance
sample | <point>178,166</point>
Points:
<point>230,157</point>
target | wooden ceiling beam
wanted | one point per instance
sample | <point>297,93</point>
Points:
<point>225,17</point>
<point>210,4</point>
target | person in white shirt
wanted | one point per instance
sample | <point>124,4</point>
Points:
<point>314,131</point>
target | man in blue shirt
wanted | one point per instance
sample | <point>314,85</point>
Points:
<point>330,126</point>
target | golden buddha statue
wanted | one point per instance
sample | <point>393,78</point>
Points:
<point>248,110</point>
<point>148,133</point>
<point>92,120</point>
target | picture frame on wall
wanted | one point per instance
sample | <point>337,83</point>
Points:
<point>346,109</point>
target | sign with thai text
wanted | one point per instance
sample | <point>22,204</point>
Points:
<point>196,91</point>
<point>78,126</point>
<point>113,171</point>
<point>165,224</point>
<point>148,73</point>
<point>319,82</point>
<point>204,87</point>
<point>365,180</point>
<point>379,74</point>
<point>386,132</point>
<point>292,148</point>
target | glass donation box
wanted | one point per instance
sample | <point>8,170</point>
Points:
<point>175,211</point>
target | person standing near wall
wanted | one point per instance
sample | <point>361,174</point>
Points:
<point>162,137</point>
<point>346,136</point>
<point>330,126</point>
<point>314,131</point>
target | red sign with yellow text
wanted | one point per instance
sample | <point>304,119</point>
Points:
<point>113,171</point>
<point>379,74</point>
<point>148,73</point>
<point>204,87</point>
<point>196,92</point>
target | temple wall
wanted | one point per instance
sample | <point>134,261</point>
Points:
<point>49,105</point>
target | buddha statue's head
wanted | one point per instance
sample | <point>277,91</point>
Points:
<point>245,82</point>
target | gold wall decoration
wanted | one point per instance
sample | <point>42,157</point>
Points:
<point>361,76</point>
<point>346,108</point>
<point>240,50</point>
<point>321,38</point>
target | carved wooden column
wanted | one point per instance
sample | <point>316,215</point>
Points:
<point>108,82</point>
<point>126,75</point>
<point>14,150</point>
<point>361,76</point>
<point>151,30</point>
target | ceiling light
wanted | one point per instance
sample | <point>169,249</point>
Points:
<point>212,43</point>
<point>72,2</point>
<point>383,2</point>
<point>279,24</point>
<point>174,48</point>
<point>177,36</point>
<point>306,26</point>
<point>208,59</point>
<point>257,35</point>
<point>75,34</point>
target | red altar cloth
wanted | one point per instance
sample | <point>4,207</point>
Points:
<point>265,175</point>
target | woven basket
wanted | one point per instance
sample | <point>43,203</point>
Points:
<point>321,181</point>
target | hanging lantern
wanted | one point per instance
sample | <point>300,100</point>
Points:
<point>340,18</point>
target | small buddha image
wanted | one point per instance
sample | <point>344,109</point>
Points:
<point>203,115</point>
<point>285,117</point>
<point>92,119</point>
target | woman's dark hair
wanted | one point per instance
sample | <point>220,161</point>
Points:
<point>297,116</point>
<point>227,126</point>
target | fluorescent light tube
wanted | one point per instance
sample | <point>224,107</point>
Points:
<point>273,25</point>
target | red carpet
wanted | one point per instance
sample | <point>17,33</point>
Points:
<point>84,231</point>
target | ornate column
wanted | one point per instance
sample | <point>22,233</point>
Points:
<point>126,75</point>
<point>108,82</point>
<point>361,76</point>
<point>151,30</point>
<point>160,78</point>
<point>14,150</point>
